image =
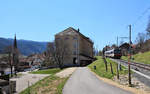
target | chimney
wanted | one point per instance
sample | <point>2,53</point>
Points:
<point>78,30</point>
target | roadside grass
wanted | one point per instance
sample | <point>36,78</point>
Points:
<point>47,71</point>
<point>101,71</point>
<point>141,58</point>
<point>49,85</point>
<point>61,85</point>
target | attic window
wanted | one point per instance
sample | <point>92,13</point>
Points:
<point>69,33</point>
<point>66,38</point>
<point>74,38</point>
<point>61,34</point>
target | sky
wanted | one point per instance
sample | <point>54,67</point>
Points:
<point>101,20</point>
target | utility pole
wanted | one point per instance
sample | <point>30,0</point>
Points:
<point>129,70</point>
<point>117,41</point>
<point>117,63</point>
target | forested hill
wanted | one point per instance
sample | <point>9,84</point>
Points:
<point>26,47</point>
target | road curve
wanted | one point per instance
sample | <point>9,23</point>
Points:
<point>84,82</point>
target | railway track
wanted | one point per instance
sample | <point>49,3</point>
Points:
<point>141,71</point>
<point>138,65</point>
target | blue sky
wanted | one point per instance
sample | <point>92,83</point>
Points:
<point>101,20</point>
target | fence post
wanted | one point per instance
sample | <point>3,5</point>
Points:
<point>111,68</point>
<point>28,87</point>
<point>117,72</point>
<point>105,63</point>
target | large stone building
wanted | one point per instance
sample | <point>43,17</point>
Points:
<point>79,48</point>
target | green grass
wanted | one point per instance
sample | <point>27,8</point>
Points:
<point>61,85</point>
<point>101,71</point>
<point>48,71</point>
<point>141,57</point>
<point>40,86</point>
<point>49,85</point>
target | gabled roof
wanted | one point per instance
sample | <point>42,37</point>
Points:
<point>76,31</point>
<point>67,31</point>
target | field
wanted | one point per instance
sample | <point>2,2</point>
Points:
<point>101,71</point>
<point>141,58</point>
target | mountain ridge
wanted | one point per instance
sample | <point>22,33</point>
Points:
<point>26,47</point>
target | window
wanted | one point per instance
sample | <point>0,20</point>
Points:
<point>75,45</point>
<point>74,38</point>
<point>74,52</point>
<point>66,38</point>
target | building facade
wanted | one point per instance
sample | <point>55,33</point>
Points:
<point>77,47</point>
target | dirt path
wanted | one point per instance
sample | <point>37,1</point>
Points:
<point>66,72</point>
<point>22,82</point>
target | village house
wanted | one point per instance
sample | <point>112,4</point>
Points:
<point>125,48</point>
<point>79,47</point>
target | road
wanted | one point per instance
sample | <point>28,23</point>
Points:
<point>85,82</point>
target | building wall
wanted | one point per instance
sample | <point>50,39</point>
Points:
<point>85,47</point>
<point>70,41</point>
<point>76,44</point>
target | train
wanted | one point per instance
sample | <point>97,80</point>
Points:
<point>113,53</point>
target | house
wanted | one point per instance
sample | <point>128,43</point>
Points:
<point>125,48</point>
<point>79,48</point>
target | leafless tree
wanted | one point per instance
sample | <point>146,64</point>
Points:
<point>148,28</point>
<point>140,39</point>
<point>58,52</point>
<point>8,50</point>
<point>49,52</point>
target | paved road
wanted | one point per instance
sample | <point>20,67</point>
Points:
<point>84,82</point>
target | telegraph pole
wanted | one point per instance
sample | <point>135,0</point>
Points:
<point>129,70</point>
<point>117,41</point>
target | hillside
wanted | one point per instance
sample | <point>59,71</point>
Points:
<point>25,47</point>
<point>141,57</point>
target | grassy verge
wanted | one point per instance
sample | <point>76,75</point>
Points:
<point>49,85</point>
<point>101,71</point>
<point>61,85</point>
<point>48,71</point>
<point>141,57</point>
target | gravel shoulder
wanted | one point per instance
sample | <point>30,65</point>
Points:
<point>66,72</point>
<point>23,81</point>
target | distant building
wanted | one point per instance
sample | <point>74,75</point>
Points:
<point>79,47</point>
<point>125,48</point>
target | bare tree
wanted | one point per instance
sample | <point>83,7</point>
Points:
<point>140,39</point>
<point>49,52</point>
<point>58,52</point>
<point>148,28</point>
<point>61,52</point>
<point>8,50</point>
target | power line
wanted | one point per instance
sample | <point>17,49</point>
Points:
<point>141,16</point>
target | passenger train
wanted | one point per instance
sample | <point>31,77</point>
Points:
<point>114,53</point>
